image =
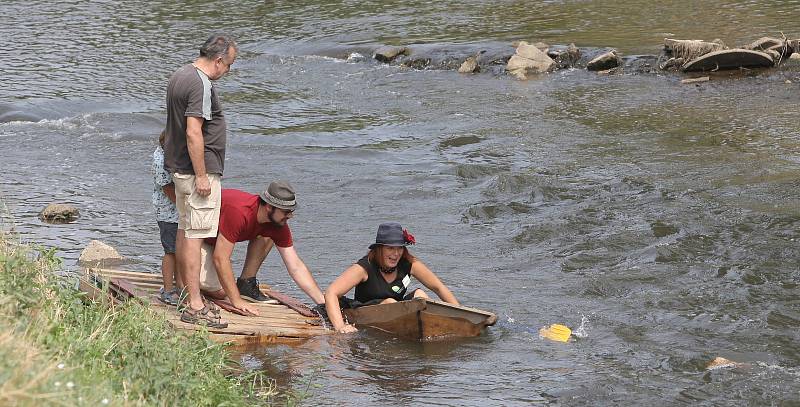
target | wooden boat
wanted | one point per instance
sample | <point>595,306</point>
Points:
<point>422,319</point>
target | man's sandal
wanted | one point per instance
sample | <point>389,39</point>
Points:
<point>204,317</point>
<point>212,308</point>
<point>183,304</point>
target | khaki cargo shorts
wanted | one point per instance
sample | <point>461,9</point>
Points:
<point>198,216</point>
<point>209,281</point>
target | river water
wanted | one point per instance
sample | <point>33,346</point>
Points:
<point>659,218</point>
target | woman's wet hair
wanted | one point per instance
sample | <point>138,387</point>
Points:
<point>217,46</point>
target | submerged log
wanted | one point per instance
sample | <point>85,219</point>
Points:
<point>729,59</point>
<point>696,80</point>
<point>764,43</point>
<point>691,49</point>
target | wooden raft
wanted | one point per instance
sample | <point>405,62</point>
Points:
<point>277,323</point>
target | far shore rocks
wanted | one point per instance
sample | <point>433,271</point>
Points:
<point>59,213</point>
<point>528,60</point>
<point>99,252</point>
<point>523,59</point>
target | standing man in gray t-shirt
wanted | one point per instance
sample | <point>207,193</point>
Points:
<point>194,151</point>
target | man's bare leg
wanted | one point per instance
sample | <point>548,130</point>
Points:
<point>257,251</point>
<point>188,255</point>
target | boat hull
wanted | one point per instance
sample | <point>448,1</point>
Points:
<point>422,319</point>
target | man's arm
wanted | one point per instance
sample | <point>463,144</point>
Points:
<point>222,261</point>
<point>300,274</point>
<point>196,146</point>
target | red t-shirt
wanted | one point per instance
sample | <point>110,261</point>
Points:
<point>238,220</point>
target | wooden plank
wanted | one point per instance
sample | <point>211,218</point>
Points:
<point>94,293</point>
<point>292,303</point>
<point>227,306</point>
<point>126,289</point>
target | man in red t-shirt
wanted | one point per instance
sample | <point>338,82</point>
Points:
<point>261,220</point>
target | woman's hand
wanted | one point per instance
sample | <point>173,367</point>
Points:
<point>347,329</point>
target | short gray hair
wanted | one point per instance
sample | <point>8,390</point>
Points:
<point>217,46</point>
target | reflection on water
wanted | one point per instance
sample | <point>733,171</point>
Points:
<point>663,214</point>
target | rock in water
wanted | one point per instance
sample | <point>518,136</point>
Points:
<point>389,53</point>
<point>574,54</point>
<point>470,65</point>
<point>59,213</point>
<point>98,251</point>
<point>529,60</point>
<point>604,62</point>
<point>719,363</point>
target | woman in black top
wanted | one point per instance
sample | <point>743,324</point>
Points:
<point>383,276</point>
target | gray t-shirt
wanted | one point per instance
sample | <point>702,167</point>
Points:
<point>190,94</point>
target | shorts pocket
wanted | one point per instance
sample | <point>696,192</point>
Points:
<point>201,212</point>
<point>184,183</point>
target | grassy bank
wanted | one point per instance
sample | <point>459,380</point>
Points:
<point>58,349</point>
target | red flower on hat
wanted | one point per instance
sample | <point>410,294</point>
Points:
<point>408,237</point>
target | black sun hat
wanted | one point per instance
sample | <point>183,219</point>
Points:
<point>392,234</point>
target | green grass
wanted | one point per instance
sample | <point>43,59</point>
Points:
<point>59,348</point>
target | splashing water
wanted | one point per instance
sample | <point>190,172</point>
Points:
<point>580,332</point>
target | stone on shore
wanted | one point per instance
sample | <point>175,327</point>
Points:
<point>604,62</point>
<point>529,60</point>
<point>795,56</point>
<point>59,213</point>
<point>389,53</point>
<point>98,251</point>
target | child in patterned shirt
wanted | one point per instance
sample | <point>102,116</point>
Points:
<point>167,218</point>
